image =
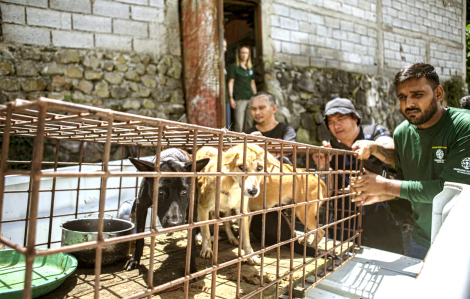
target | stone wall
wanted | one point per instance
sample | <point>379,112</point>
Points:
<point>375,37</point>
<point>125,81</point>
<point>303,92</point>
<point>122,54</point>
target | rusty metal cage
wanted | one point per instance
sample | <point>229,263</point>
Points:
<point>281,270</point>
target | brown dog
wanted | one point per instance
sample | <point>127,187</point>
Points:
<point>230,195</point>
<point>272,194</point>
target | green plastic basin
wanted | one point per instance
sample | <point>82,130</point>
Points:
<point>49,272</point>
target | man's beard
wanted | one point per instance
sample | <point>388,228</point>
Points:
<point>260,122</point>
<point>426,116</point>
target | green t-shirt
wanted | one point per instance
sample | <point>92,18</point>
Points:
<point>428,158</point>
<point>242,84</point>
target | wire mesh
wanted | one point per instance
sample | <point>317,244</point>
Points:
<point>308,226</point>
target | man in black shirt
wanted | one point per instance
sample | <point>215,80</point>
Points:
<point>263,110</point>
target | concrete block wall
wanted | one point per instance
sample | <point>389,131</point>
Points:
<point>314,34</point>
<point>367,36</point>
<point>142,26</point>
<point>400,51</point>
<point>435,18</point>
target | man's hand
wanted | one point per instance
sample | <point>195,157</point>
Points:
<point>232,103</point>
<point>320,158</point>
<point>370,183</point>
<point>364,148</point>
<point>383,148</point>
<point>256,133</point>
<point>361,200</point>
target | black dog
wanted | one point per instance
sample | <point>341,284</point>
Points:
<point>173,198</point>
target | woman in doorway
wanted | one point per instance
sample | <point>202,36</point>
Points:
<point>241,87</point>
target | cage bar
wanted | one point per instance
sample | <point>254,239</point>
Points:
<point>282,269</point>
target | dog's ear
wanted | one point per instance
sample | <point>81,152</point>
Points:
<point>200,164</point>
<point>142,165</point>
<point>230,156</point>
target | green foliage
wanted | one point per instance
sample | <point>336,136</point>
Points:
<point>21,149</point>
<point>454,91</point>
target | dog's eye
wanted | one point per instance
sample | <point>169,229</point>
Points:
<point>160,193</point>
<point>259,168</point>
<point>240,167</point>
<point>184,192</point>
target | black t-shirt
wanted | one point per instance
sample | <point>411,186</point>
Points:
<point>373,164</point>
<point>281,131</point>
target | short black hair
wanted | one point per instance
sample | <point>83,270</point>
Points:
<point>418,70</point>
<point>465,102</point>
<point>269,97</point>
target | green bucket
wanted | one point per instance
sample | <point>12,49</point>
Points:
<point>49,272</point>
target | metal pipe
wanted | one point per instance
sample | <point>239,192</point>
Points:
<point>220,20</point>
<point>33,208</point>
<point>104,181</point>
<point>3,161</point>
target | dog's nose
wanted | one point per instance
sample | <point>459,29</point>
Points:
<point>174,220</point>
<point>173,216</point>
<point>253,191</point>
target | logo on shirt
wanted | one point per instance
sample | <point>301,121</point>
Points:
<point>439,154</point>
<point>466,163</point>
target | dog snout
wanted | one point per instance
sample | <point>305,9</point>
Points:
<point>174,220</point>
<point>253,192</point>
<point>173,216</point>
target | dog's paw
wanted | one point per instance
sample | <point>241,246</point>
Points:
<point>206,253</point>
<point>131,265</point>
<point>312,242</point>
<point>254,260</point>
<point>331,255</point>
<point>233,240</point>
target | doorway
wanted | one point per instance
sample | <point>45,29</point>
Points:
<point>242,21</point>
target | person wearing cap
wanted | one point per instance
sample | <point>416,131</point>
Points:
<point>263,110</point>
<point>432,146</point>
<point>374,144</point>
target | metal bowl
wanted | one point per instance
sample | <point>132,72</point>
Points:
<point>86,230</point>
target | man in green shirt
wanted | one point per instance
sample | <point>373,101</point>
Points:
<point>431,147</point>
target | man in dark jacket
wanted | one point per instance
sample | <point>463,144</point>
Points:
<point>374,145</point>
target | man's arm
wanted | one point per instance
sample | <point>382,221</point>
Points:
<point>421,191</point>
<point>383,148</point>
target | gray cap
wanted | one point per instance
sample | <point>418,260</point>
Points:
<point>341,106</point>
